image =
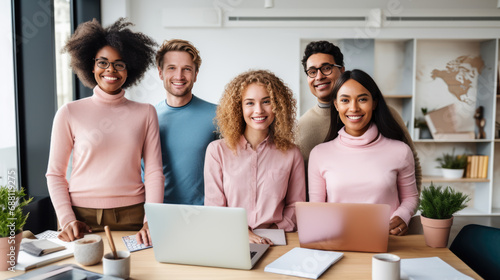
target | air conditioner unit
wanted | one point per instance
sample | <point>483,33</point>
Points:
<point>444,18</point>
<point>298,18</point>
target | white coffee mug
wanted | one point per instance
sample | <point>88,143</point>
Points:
<point>89,249</point>
<point>117,267</point>
<point>386,267</point>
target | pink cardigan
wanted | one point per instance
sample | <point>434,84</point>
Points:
<point>365,169</point>
<point>108,135</point>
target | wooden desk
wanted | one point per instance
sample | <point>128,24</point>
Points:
<point>352,266</point>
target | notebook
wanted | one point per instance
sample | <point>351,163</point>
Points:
<point>202,235</point>
<point>303,262</point>
<point>343,226</point>
<point>40,247</point>
<point>27,261</point>
<point>432,268</point>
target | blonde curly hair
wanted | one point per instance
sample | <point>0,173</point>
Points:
<point>229,115</point>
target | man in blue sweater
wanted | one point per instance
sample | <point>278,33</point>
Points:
<point>186,123</point>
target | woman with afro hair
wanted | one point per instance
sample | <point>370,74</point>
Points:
<point>256,165</point>
<point>107,136</point>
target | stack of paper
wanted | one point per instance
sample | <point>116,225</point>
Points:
<point>304,262</point>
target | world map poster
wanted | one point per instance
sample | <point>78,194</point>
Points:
<point>448,73</point>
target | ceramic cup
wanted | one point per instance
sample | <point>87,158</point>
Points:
<point>117,267</point>
<point>386,267</point>
<point>89,249</point>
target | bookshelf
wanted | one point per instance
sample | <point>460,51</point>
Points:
<point>412,74</point>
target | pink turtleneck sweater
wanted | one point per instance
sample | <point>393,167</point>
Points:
<point>108,135</point>
<point>365,169</point>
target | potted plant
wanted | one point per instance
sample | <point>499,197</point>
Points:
<point>452,165</point>
<point>437,206</point>
<point>419,124</point>
<point>421,128</point>
<point>12,220</point>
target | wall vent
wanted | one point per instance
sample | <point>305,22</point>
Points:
<point>436,18</point>
<point>278,18</point>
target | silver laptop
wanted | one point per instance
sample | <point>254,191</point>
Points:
<point>202,235</point>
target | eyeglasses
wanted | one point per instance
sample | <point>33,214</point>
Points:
<point>104,64</point>
<point>326,69</point>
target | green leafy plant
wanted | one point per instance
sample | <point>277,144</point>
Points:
<point>12,202</point>
<point>421,122</point>
<point>452,161</point>
<point>441,203</point>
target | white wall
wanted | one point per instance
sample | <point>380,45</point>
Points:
<point>227,51</point>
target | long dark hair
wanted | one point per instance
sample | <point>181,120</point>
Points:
<point>382,116</point>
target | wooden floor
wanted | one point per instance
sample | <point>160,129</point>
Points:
<point>458,223</point>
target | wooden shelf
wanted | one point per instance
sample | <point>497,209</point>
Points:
<point>438,179</point>
<point>397,96</point>
<point>453,141</point>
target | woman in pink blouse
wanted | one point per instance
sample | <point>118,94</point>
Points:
<point>107,136</point>
<point>256,165</point>
<point>366,158</point>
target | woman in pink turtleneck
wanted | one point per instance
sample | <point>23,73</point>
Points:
<point>107,135</point>
<point>367,160</point>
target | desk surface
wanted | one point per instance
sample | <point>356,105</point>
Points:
<point>353,265</point>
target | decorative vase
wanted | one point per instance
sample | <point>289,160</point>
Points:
<point>9,250</point>
<point>452,173</point>
<point>436,231</point>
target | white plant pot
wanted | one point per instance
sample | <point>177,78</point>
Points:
<point>452,173</point>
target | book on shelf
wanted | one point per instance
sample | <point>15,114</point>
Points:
<point>468,167</point>
<point>484,173</point>
<point>477,167</point>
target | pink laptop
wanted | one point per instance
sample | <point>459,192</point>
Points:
<point>343,226</point>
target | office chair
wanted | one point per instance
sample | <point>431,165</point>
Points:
<point>479,247</point>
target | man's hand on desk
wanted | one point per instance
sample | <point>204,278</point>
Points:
<point>397,226</point>
<point>73,230</point>
<point>143,235</point>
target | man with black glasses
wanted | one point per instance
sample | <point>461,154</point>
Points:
<point>323,64</point>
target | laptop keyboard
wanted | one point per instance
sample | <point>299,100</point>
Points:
<point>47,234</point>
<point>252,254</point>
